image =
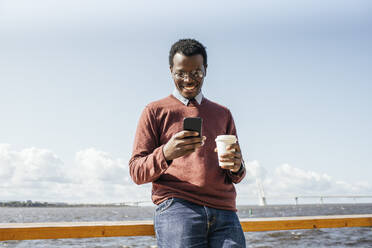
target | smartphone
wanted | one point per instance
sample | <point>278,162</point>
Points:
<point>193,124</point>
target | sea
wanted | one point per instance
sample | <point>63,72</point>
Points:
<point>330,237</point>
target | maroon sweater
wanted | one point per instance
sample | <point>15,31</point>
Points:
<point>196,177</point>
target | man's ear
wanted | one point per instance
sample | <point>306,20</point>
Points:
<point>205,70</point>
<point>170,68</point>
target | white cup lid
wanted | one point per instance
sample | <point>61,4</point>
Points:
<point>230,138</point>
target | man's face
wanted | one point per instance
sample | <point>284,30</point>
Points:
<point>188,74</point>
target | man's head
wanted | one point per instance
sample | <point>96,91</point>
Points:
<point>188,65</point>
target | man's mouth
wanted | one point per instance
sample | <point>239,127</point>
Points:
<point>191,87</point>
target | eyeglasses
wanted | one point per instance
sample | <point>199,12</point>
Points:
<point>195,74</point>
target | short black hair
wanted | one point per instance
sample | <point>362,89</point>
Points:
<point>188,47</point>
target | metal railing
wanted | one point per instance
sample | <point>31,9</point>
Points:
<point>62,230</point>
<point>323,197</point>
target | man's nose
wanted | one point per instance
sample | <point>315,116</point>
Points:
<point>187,78</point>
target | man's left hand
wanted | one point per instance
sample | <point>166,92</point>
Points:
<point>233,156</point>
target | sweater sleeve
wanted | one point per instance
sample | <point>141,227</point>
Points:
<point>147,163</point>
<point>231,129</point>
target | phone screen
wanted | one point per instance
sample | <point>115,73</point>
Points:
<point>193,124</point>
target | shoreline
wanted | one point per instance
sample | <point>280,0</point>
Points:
<point>70,205</point>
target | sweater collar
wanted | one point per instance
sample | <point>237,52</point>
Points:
<point>184,100</point>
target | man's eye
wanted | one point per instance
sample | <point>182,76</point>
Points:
<point>197,73</point>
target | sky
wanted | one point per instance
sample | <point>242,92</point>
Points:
<point>75,76</point>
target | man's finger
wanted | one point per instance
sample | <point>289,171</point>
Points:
<point>227,160</point>
<point>238,161</point>
<point>191,141</point>
<point>190,147</point>
<point>185,133</point>
<point>238,155</point>
<point>229,167</point>
<point>228,155</point>
<point>234,146</point>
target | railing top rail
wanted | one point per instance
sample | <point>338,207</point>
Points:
<point>75,224</point>
<point>60,230</point>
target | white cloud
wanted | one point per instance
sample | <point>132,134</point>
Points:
<point>94,165</point>
<point>286,182</point>
<point>254,171</point>
<point>39,174</point>
<point>7,162</point>
<point>29,165</point>
<point>300,181</point>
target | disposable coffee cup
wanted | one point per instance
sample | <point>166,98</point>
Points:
<point>223,141</point>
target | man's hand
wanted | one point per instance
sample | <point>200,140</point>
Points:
<point>233,156</point>
<point>181,144</point>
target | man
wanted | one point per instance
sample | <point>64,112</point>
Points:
<point>195,196</point>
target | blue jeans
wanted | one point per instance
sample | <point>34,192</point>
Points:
<point>180,223</point>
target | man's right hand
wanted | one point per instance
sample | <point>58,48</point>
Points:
<point>181,144</point>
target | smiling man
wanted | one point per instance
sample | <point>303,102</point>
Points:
<point>195,197</point>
